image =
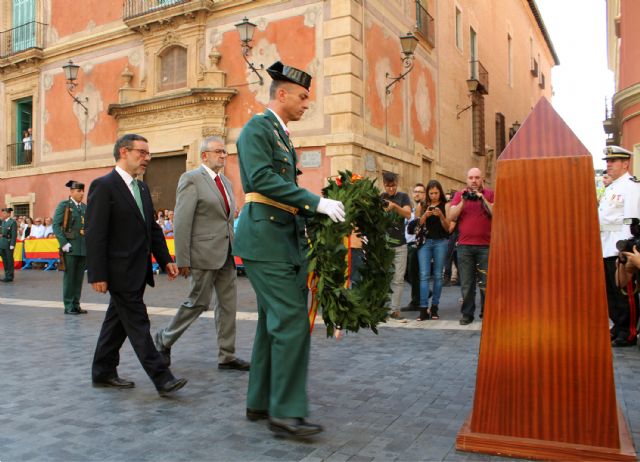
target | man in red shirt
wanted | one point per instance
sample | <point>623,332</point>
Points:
<point>472,209</point>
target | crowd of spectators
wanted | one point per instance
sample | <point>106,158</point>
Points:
<point>38,228</point>
<point>440,240</point>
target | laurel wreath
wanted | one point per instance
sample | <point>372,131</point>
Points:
<point>364,304</point>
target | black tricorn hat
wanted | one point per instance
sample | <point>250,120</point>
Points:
<point>72,184</point>
<point>279,71</point>
<point>7,209</point>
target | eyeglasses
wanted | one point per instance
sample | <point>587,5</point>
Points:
<point>142,152</point>
<point>416,191</point>
<point>218,151</point>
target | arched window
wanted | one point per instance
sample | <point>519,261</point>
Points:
<point>173,68</point>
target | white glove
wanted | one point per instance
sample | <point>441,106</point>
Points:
<point>66,247</point>
<point>335,209</point>
<point>11,247</point>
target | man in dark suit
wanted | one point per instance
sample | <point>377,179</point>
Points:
<point>203,233</point>
<point>121,235</point>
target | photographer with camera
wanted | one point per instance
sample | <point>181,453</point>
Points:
<point>399,204</point>
<point>472,209</point>
<point>621,200</point>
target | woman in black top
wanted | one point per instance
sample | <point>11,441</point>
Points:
<point>432,237</point>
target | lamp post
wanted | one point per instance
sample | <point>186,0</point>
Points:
<point>246,30</point>
<point>514,128</point>
<point>408,43</point>
<point>71,75</point>
<point>472,85</point>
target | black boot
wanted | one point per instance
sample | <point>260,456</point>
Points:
<point>424,314</point>
<point>433,312</point>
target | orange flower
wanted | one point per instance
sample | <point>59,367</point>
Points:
<point>355,177</point>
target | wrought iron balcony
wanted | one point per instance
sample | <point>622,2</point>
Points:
<point>22,38</point>
<point>425,24</point>
<point>479,73</point>
<point>134,8</point>
<point>18,157</point>
<point>142,13</point>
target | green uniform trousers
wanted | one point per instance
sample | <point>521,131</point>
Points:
<point>72,281</point>
<point>278,376</point>
<point>7,261</point>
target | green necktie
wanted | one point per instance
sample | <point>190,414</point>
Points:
<point>136,193</point>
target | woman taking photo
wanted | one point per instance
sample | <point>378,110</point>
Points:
<point>432,237</point>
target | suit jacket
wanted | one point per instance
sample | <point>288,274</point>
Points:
<point>75,227</point>
<point>203,232</point>
<point>268,165</point>
<point>8,233</point>
<point>119,241</point>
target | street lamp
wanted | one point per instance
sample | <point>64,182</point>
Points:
<point>514,128</point>
<point>71,76</point>
<point>472,86</point>
<point>408,43</point>
<point>246,30</point>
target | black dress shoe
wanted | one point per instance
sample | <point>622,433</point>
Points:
<point>171,386</point>
<point>72,312</point>
<point>256,414</point>
<point>621,343</point>
<point>81,311</point>
<point>237,364</point>
<point>294,426</point>
<point>114,382</point>
<point>466,320</point>
<point>164,351</point>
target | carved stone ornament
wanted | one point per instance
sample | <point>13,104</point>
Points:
<point>127,75</point>
<point>214,58</point>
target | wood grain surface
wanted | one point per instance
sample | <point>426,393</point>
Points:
<point>545,373</point>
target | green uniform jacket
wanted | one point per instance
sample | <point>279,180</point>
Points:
<point>8,233</point>
<point>76,224</point>
<point>268,166</point>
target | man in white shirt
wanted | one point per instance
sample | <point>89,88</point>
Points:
<point>203,233</point>
<point>37,229</point>
<point>621,200</point>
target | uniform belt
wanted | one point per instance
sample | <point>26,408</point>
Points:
<point>257,197</point>
<point>612,228</point>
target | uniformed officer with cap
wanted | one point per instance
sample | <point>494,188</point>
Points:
<point>70,234</point>
<point>8,236</point>
<point>268,236</point>
<point>621,200</point>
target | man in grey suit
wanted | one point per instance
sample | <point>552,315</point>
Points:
<point>203,234</point>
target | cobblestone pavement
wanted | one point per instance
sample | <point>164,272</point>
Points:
<point>400,395</point>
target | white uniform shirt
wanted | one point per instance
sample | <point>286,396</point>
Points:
<point>621,200</point>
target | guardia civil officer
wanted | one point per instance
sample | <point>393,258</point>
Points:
<point>267,239</point>
<point>68,227</point>
<point>621,200</point>
<point>8,236</point>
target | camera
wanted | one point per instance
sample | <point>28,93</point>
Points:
<point>431,208</point>
<point>470,195</point>
<point>626,245</point>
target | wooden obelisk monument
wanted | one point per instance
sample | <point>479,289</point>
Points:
<point>544,387</point>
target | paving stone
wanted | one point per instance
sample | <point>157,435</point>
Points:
<point>399,395</point>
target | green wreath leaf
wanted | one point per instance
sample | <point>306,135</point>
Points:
<point>364,305</point>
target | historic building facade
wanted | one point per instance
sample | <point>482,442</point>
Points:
<point>622,124</point>
<point>173,71</point>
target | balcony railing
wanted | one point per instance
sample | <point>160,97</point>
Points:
<point>19,157</point>
<point>21,38</point>
<point>135,8</point>
<point>425,24</point>
<point>479,73</point>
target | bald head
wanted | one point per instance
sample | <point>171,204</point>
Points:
<point>474,179</point>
